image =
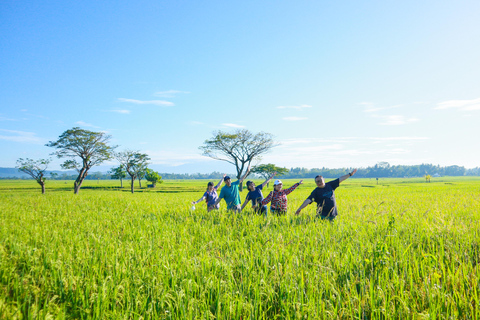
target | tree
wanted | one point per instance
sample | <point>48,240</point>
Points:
<point>118,173</point>
<point>153,177</point>
<point>34,168</point>
<point>53,175</point>
<point>133,162</point>
<point>239,148</point>
<point>91,147</point>
<point>266,170</point>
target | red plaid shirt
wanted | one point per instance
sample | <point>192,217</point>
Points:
<point>279,198</point>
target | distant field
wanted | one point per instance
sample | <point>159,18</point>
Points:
<point>402,249</point>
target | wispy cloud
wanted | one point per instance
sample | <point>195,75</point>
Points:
<point>303,106</point>
<point>465,105</point>
<point>395,120</point>
<point>294,118</point>
<point>84,124</point>
<point>169,93</point>
<point>7,119</point>
<point>232,125</point>
<point>20,136</point>
<point>123,111</point>
<point>161,103</point>
<point>370,107</point>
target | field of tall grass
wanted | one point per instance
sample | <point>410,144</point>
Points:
<point>400,249</point>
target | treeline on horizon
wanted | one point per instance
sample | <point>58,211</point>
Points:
<point>380,170</point>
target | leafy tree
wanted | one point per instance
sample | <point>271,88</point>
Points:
<point>34,168</point>
<point>239,148</point>
<point>266,170</point>
<point>153,177</point>
<point>133,162</point>
<point>118,173</point>
<point>91,147</point>
<point>53,175</point>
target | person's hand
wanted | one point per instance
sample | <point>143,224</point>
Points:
<point>224,175</point>
<point>300,182</point>
<point>353,172</point>
<point>274,174</point>
<point>298,212</point>
<point>194,202</point>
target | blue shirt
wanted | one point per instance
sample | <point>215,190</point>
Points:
<point>211,197</point>
<point>256,196</point>
<point>231,195</point>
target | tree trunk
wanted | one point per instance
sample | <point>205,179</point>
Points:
<point>78,183</point>
<point>140,183</point>
<point>42,184</point>
<point>121,183</point>
<point>133,180</point>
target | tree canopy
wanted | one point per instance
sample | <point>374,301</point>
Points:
<point>239,148</point>
<point>266,170</point>
<point>134,163</point>
<point>91,147</point>
<point>34,168</point>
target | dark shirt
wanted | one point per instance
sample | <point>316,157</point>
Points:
<point>325,199</point>
<point>256,196</point>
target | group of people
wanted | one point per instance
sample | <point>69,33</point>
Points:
<point>323,195</point>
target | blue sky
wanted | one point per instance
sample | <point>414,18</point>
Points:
<point>339,84</point>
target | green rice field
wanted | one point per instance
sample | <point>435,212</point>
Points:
<point>399,249</point>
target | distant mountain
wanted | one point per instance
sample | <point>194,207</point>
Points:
<point>15,173</point>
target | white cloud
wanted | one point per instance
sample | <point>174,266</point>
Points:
<point>152,102</point>
<point>232,125</point>
<point>169,93</point>
<point>465,105</point>
<point>303,106</point>
<point>121,111</point>
<point>84,124</point>
<point>7,119</point>
<point>294,118</point>
<point>21,136</point>
<point>395,120</point>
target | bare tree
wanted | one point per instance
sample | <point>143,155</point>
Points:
<point>91,147</point>
<point>239,148</point>
<point>34,168</point>
<point>134,163</point>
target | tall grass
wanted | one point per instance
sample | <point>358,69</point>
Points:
<point>402,249</point>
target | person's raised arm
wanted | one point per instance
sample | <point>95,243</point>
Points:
<point>220,182</point>
<point>268,180</point>
<point>245,175</point>
<point>304,204</point>
<point>267,199</point>
<point>348,175</point>
<point>244,203</point>
<point>289,190</point>
<point>199,200</point>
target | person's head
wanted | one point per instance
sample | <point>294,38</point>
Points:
<point>251,185</point>
<point>210,186</point>
<point>277,185</point>
<point>228,181</point>
<point>320,181</point>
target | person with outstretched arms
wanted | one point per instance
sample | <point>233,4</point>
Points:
<point>278,197</point>
<point>256,196</point>
<point>210,195</point>
<point>324,196</point>
<point>231,194</point>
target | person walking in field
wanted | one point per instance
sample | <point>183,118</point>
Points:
<point>256,196</point>
<point>210,196</point>
<point>231,194</point>
<point>278,197</point>
<point>324,196</point>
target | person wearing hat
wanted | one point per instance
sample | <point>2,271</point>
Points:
<point>256,196</point>
<point>278,197</point>
<point>231,194</point>
<point>324,196</point>
<point>210,196</point>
